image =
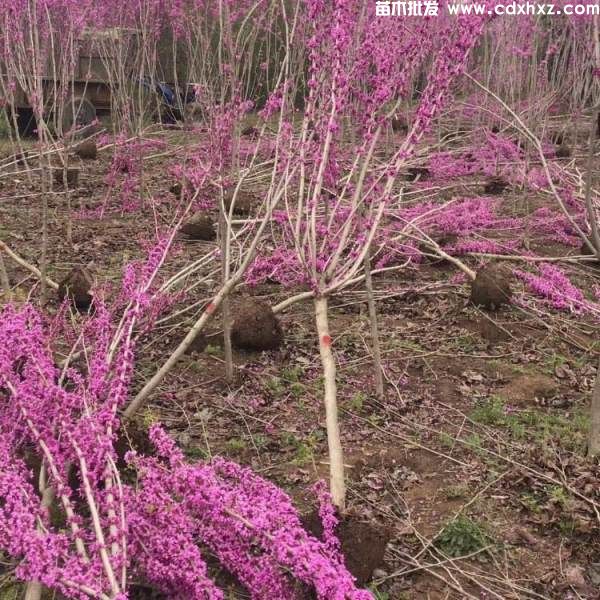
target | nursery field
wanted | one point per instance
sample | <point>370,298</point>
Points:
<point>327,328</point>
<point>477,448</point>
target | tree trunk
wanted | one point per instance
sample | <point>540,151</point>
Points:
<point>4,281</point>
<point>336,457</point>
<point>34,589</point>
<point>589,202</point>
<point>594,439</point>
<point>226,306</point>
<point>46,178</point>
<point>375,347</point>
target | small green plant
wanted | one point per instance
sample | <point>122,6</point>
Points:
<point>292,374</point>
<point>462,536</point>
<point>297,390</point>
<point>275,386</point>
<point>491,412</point>
<point>446,440</point>
<point>567,527</point>
<point>531,502</point>
<point>236,445</point>
<point>454,492</point>
<point>553,361</point>
<point>517,429</point>
<point>466,342</point>
<point>375,420</point>
<point>570,432</point>
<point>10,591</point>
<point>196,453</point>
<point>304,449</point>
<point>358,401</point>
<point>558,495</point>
<point>304,454</point>
<point>535,425</point>
<point>149,418</point>
<point>213,350</point>
<point>556,361</point>
<point>260,441</point>
<point>289,439</point>
<point>379,595</point>
<point>474,442</point>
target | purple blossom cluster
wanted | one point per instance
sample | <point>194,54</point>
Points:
<point>555,288</point>
<point>98,533</point>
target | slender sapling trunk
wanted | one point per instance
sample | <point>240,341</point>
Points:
<point>226,305</point>
<point>594,439</point>
<point>336,457</point>
<point>375,347</point>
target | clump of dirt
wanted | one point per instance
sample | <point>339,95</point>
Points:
<point>256,327</point>
<point>491,287</point>
<point>176,189</point>
<point>243,202</point>
<point>251,133</point>
<point>526,389</point>
<point>563,151</point>
<point>70,176</point>
<point>399,125</point>
<point>495,186</point>
<point>363,544</point>
<point>76,286</point>
<point>181,190</point>
<point>200,227</point>
<point>415,173</point>
<point>87,150</point>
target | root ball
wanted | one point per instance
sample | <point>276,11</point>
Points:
<point>491,287</point>
<point>87,150</point>
<point>243,203</point>
<point>256,327</point>
<point>76,286</point>
<point>200,227</point>
<point>495,186</point>
<point>399,125</point>
<point>69,176</point>
<point>563,151</point>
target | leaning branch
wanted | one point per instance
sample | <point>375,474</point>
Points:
<point>28,266</point>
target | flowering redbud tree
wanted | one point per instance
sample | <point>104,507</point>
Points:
<point>341,190</point>
<point>76,526</point>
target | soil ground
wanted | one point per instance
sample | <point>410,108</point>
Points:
<point>474,463</point>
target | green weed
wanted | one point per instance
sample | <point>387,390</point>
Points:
<point>462,536</point>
